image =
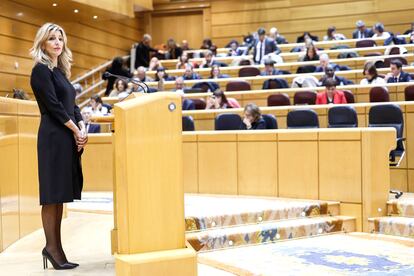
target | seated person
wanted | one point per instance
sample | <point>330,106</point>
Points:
<point>189,73</point>
<point>215,73</point>
<point>371,75</point>
<point>90,128</point>
<point>274,34</point>
<point>162,75</point>
<point>332,35</point>
<point>173,50</point>
<point>154,64</point>
<point>183,61</point>
<point>185,46</point>
<point>330,74</point>
<point>141,74</point>
<point>218,100</point>
<point>331,95</point>
<point>78,88</point>
<point>362,31</point>
<point>133,87</point>
<point>179,85</point>
<point>119,86</point>
<point>379,31</point>
<point>270,69</point>
<point>208,60</point>
<point>325,61</point>
<point>96,106</point>
<point>235,50</point>
<point>252,118</point>
<point>306,37</point>
<point>397,74</point>
<point>311,53</point>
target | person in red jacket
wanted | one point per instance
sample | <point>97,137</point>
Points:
<point>331,95</point>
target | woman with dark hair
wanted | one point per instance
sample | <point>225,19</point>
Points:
<point>218,100</point>
<point>215,73</point>
<point>161,74</point>
<point>116,68</point>
<point>97,106</point>
<point>252,118</point>
<point>332,35</point>
<point>311,53</point>
<point>119,87</point>
<point>371,75</point>
<point>305,37</point>
<point>183,61</point>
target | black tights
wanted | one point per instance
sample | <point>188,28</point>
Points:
<point>52,219</point>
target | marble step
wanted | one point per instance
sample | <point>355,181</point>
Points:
<point>396,226</point>
<point>217,211</point>
<point>270,231</point>
<point>401,207</point>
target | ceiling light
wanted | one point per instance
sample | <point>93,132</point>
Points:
<point>19,14</point>
<point>54,4</point>
<point>95,17</point>
<point>76,11</point>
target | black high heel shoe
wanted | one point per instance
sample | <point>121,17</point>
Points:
<point>47,256</point>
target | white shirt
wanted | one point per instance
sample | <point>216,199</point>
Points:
<point>377,81</point>
<point>260,47</point>
<point>384,35</point>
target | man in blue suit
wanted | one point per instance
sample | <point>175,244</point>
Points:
<point>397,74</point>
<point>362,31</point>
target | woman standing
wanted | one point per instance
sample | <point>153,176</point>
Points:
<point>61,136</point>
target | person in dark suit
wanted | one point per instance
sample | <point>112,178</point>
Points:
<point>90,128</point>
<point>397,74</point>
<point>263,46</point>
<point>189,73</point>
<point>274,34</point>
<point>61,136</point>
<point>252,118</point>
<point>117,68</point>
<point>362,31</point>
<point>209,60</point>
<point>143,50</point>
<point>331,95</point>
<point>330,74</point>
<point>174,51</point>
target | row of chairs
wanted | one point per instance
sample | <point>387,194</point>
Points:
<point>387,115</point>
<point>377,94</point>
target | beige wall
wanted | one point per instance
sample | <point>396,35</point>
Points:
<point>92,42</point>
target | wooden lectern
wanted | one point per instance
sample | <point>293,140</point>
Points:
<point>149,233</point>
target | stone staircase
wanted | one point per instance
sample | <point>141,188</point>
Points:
<point>400,219</point>
<point>217,222</point>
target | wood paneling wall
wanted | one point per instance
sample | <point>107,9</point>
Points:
<point>92,42</point>
<point>235,18</point>
<point>180,26</point>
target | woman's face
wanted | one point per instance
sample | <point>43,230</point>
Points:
<point>248,116</point>
<point>120,86</point>
<point>94,104</point>
<point>216,71</point>
<point>161,74</point>
<point>367,75</point>
<point>184,58</point>
<point>53,46</point>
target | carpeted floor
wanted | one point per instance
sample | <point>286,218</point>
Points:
<point>337,254</point>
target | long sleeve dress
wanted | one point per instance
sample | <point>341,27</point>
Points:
<point>59,162</point>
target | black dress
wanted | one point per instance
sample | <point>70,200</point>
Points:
<point>59,162</point>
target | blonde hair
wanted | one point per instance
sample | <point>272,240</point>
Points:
<point>40,56</point>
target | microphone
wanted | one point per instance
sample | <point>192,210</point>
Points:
<point>141,84</point>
